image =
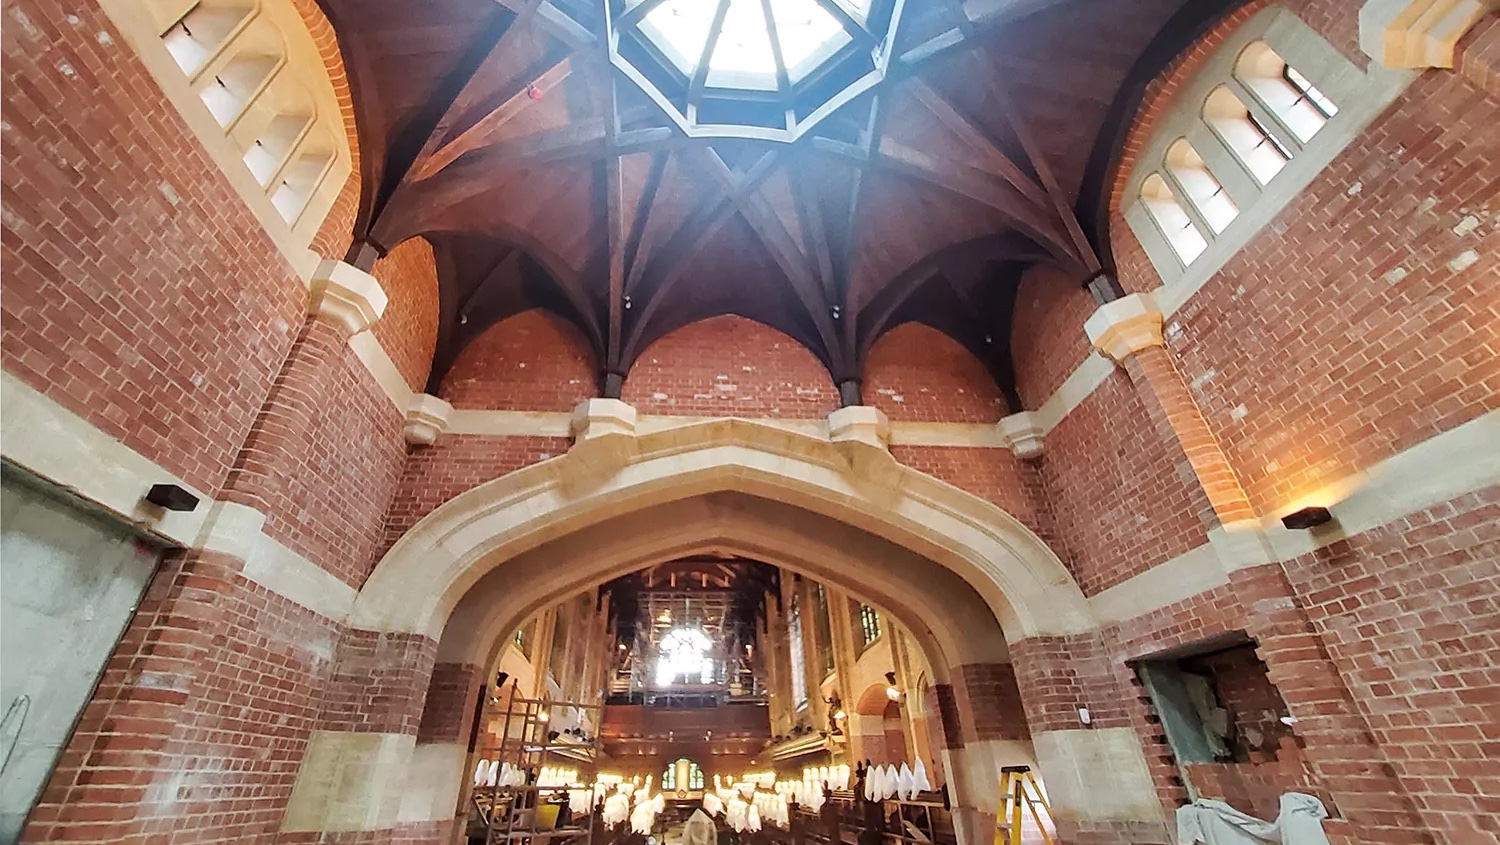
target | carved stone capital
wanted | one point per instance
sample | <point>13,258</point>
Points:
<point>346,295</point>
<point>1417,33</point>
<point>1125,326</point>
<point>426,418</point>
<point>1023,433</point>
<point>860,424</point>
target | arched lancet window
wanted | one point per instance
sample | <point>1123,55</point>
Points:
<point>683,657</point>
<point>255,69</point>
<point>1201,188</point>
<point>1243,133</point>
<point>197,36</point>
<point>671,781</point>
<point>869,625</point>
<point>1252,125</point>
<point>1290,95</point>
<point>798,657</point>
<point>1175,224</point>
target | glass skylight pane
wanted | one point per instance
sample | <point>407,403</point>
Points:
<point>742,57</point>
<point>679,28</point>
<point>808,34</point>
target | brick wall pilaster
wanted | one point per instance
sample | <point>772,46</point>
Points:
<point>447,712</point>
<point>379,683</point>
<point>1128,331</point>
<point>994,700</point>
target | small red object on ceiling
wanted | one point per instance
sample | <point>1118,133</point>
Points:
<point>533,92</point>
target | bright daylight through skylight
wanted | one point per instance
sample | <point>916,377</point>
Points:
<point>683,657</point>
<point>744,55</point>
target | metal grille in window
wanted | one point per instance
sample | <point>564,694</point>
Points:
<point>869,623</point>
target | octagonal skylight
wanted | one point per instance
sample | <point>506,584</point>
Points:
<point>764,64</point>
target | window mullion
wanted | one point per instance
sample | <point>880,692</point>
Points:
<point>1265,117</point>
<point>1222,163</point>
<point>1188,204</point>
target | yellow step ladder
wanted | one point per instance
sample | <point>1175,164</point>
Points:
<point>1017,786</point>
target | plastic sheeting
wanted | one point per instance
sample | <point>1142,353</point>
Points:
<point>1299,821</point>
<point>700,830</point>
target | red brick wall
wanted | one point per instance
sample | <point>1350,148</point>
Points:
<point>408,329</point>
<point>1408,614</point>
<point>1256,788</point>
<point>1057,675</point>
<point>994,700</point>
<point>995,475</point>
<point>379,682</point>
<point>448,712</point>
<point>1121,503</point>
<point>1363,367</point>
<point>1047,338</point>
<point>324,457</point>
<point>530,362</point>
<point>915,372</point>
<point>730,366</point>
<point>140,292</point>
<point>456,463</point>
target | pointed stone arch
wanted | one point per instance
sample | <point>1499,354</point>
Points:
<point>964,577</point>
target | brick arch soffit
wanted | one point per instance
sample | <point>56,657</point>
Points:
<point>321,30</point>
<point>1012,254</point>
<point>421,579</point>
<point>670,329</point>
<point>572,308</point>
<point>873,701</point>
<point>1192,23</point>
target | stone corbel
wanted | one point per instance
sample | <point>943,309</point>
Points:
<point>1125,326</point>
<point>1417,34</point>
<point>1023,433</point>
<point>426,418</point>
<point>860,424</point>
<point>596,418</point>
<point>346,295</point>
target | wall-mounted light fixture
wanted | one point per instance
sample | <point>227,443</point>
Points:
<point>892,691</point>
<point>1308,517</point>
<point>171,497</point>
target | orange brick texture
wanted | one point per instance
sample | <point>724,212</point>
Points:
<point>1340,335</point>
<point>408,329</point>
<point>449,708</point>
<point>530,362</point>
<point>1175,416</point>
<point>323,458</point>
<point>994,699</point>
<point>1122,496</point>
<point>730,366</point>
<point>915,372</point>
<point>140,292</point>
<point>455,464</point>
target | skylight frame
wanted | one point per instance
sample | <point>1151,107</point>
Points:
<point>780,104</point>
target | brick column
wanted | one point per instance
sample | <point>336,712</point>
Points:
<point>1336,741</point>
<point>438,776</point>
<point>355,774</point>
<point>1128,332</point>
<point>344,301</point>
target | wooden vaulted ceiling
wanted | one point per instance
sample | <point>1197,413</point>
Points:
<point>543,178</point>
